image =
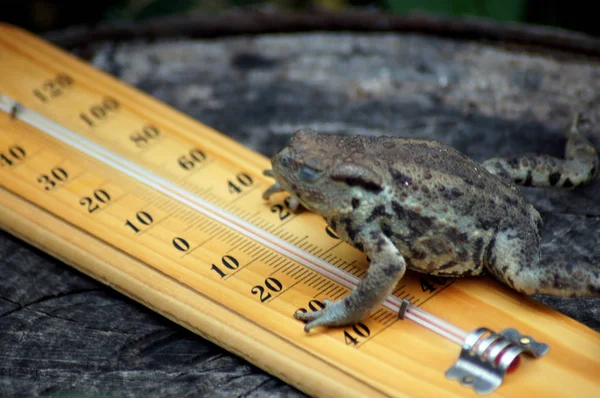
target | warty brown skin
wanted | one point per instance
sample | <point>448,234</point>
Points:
<point>423,205</point>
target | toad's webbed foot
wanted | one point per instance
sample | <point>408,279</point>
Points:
<point>580,165</point>
<point>335,313</point>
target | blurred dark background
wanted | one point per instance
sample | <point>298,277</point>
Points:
<point>45,15</point>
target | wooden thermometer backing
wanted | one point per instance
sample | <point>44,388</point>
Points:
<point>216,281</point>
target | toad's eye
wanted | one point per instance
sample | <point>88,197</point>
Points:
<point>308,174</point>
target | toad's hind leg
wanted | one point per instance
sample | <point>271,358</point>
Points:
<point>579,166</point>
<point>514,261</point>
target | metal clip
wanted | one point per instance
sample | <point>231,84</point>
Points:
<point>529,345</point>
<point>487,356</point>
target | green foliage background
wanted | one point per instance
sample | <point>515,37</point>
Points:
<point>507,10</point>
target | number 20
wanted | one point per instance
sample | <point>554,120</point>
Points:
<point>271,284</point>
<point>99,196</point>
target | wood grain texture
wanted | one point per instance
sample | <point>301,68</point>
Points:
<point>516,311</point>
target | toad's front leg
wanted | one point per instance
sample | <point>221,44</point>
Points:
<point>293,203</point>
<point>387,267</point>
